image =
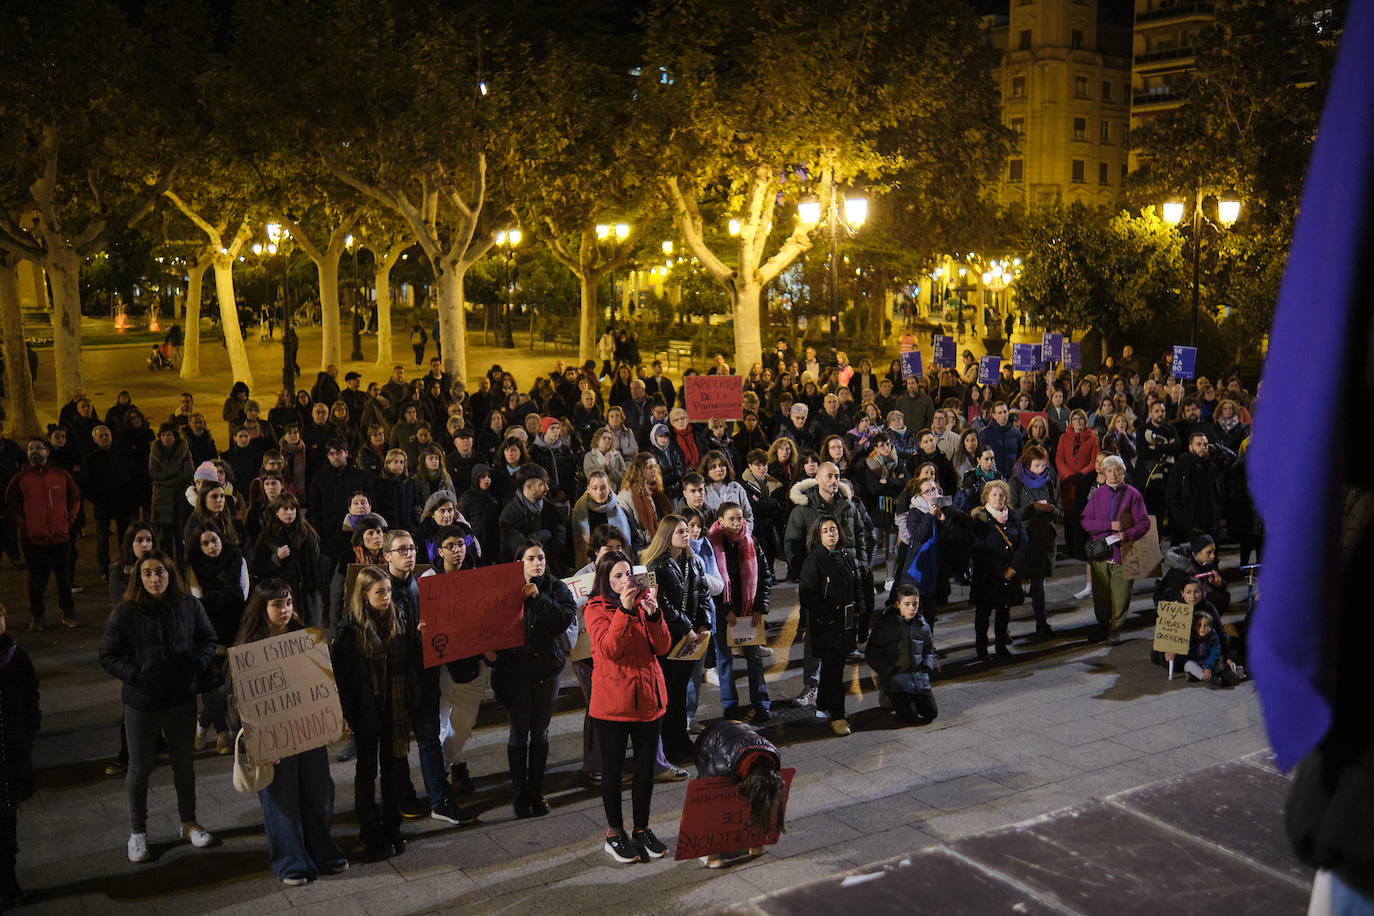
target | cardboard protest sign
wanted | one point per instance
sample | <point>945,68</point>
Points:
<point>944,351</point>
<point>715,818</point>
<point>988,368</point>
<point>472,611</point>
<point>707,396</point>
<point>1023,357</point>
<point>1173,627</point>
<point>911,364</point>
<point>1184,363</point>
<point>581,588</point>
<point>746,633</point>
<point>1052,347</point>
<point>1073,355</point>
<point>681,653</point>
<point>1024,417</point>
<point>1141,558</point>
<point>284,689</point>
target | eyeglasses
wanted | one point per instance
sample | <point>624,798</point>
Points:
<point>403,551</point>
<point>446,547</point>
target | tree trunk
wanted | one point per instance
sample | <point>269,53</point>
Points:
<point>381,278</point>
<point>64,271</point>
<point>748,341</point>
<point>23,409</point>
<point>190,359</point>
<point>586,337</point>
<point>327,270</point>
<point>448,297</point>
<point>229,320</point>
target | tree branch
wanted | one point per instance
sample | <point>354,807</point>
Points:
<point>689,223</point>
<point>215,235</point>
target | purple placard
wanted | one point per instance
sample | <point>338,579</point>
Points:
<point>1073,355</point>
<point>1184,363</point>
<point>1051,347</point>
<point>911,364</point>
<point>944,352</point>
<point>1023,357</point>
<point>988,367</point>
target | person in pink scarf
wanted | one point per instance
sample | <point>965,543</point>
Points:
<point>748,586</point>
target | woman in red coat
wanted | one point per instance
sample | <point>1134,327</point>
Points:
<point>1075,458</point>
<point>627,634</point>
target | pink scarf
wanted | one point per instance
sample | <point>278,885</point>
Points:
<point>748,563</point>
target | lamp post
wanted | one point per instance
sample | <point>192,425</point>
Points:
<point>1228,211</point>
<point>854,215</point>
<point>507,242</point>
<point>621,231</point>
<point>357,353</point>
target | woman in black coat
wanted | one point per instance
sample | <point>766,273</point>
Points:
<point>999,553</point>
<point>1035,498</point>
<point>20,718</point>
<point>395,495</point>
<point>289,549</point>
<point>525,679</point>
<point>836,608</point>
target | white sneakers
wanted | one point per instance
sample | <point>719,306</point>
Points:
<point>197,835</point>
<point>1083,592</point>
<point>138,847</point>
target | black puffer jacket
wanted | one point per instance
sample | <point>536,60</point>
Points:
<point>158,650</point>
<point>547,617</point>
<point>682,594</point>
<point>884,652</point>
<point>834,599</point>
<point>20,718</point>
<point>724,746</point>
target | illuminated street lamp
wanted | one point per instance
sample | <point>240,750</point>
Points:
<point>1228,211</point>
<point>621,231</point>
<point>507,241</point>
<point>855,212</point>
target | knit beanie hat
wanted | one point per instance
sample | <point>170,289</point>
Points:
<point>206,472</point>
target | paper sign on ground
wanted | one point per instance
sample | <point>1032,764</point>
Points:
<point>284,689</point>
<point>1023,357</point>
<point>708,396</point>
<point>715,818</point>
<point>1173,627</point>
<point>746,633</point>
<point>911,364</point>
<point>1141,558</point>
<point>1184,363</point>
<point>472,611</point>
<point>988,368</point>
<point>944,351</point>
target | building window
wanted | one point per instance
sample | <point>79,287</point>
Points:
<point>1123,173</point>
<point>1106,90</point>
<point>1076,39</point>
<point>1024,42</point>
<point>1018,87</point>
<point>1014,170</point>
<point>1080,129</point>
<point>1102,173</point>
<point>1078,171</point>
<point>1080,87</point>
<point>1018,127</point>
<point>1106,132</point>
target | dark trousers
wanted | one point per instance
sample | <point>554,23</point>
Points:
<point>9,847</point>
<point>419,353</point>
<point>1037,596</point>
<point>676,742</point>
<point>103,519</point>
<point>9,538</point>
<point>830,690</point>
<point>46,560</point>
<point>529,709</point>
<point>982,612</point>
<point>915,707</point>
<point>374,755</point>
<point>614,736</point>
<point>297,809</point>
<point>178,723</point>
<point>424,718</point>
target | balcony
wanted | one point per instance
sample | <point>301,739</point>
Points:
<point>1200,9</point>
<point>1163,59</point>
<point>1151,99</point>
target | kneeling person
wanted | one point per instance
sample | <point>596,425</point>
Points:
<point>735,750</point>
<point>902,652</point>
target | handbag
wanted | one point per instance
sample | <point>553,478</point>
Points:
<point>249,779</point>
<point>1098,549</point>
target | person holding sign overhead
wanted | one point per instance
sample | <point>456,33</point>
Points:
<point>298,806</point>
<point>748,582</point>
<point>628,636</point>
<point>525,679</point>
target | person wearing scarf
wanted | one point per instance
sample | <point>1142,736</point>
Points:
<point>836,608</point>
<point>642,493</point>
<point>597,506</point>
<point>217,574</point>
<point>748,580</point>
<point>999,552</point>
<point>1035,498</point>
<point>685,437</point>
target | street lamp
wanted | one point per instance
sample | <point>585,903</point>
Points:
<point>855,212</point>
<point>276,241</point>
<point>621,231</point>
<point>508,241</point>
<point>1228,211</point>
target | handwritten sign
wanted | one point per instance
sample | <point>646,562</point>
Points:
<point>746,632</point>
<point>1023,357</point>
<point>1052,347</point>
<point>472,611</point>
<point>715,818</point>
<point>581,588</point>
<point>1184,363</point>
<point>1173,627</point>
<point>708,396</point>
<point>944,351</point>
<point>1141,558</point>
<point>284,688</point>
<point>988,368</point>
<point>911,364</point>
<point>1073,355</point>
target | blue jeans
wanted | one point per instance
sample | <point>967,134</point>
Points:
<point>296,812</point>
<point>725,669</point>
<point>424,718</point>
<point>694,687</point>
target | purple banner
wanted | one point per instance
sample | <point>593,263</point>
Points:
<point>911,364</point>
<point>988,367</point>
<point>1052,347</point>
<point>1023,357</point>
<point>1184,363</point>
<point>944,352</point>
<point>1073,355</point>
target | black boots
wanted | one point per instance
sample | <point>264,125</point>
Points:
<point>517,758</point>
<point>539,756</point>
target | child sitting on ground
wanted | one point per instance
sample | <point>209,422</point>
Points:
<point>20,717</point>
<point>1192,595</point>
<point>902,652</point>
<point>733,749</point>
<point>1204,655</point>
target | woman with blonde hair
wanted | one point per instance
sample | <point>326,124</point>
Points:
<point>784,463</point>
<point>999,553</point>
<point>603,454</point>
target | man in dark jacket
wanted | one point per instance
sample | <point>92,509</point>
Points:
<point>1156,444</point>
<point>110,482</point>
<point>462,460</point>
<point>1195,490</point>
<point>331,489</point>
<point>659,384</point>
<point>199,440</point>
<point>44,500</point>
<point>916,406</point>
<point>326,388</point>
<point>637,409</point>
<point>1004,437</point>
<point>530,515</point>
<point>828,496</point>
<point>354,396</point>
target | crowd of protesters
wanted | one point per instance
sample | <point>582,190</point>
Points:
<point>834,471</point>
